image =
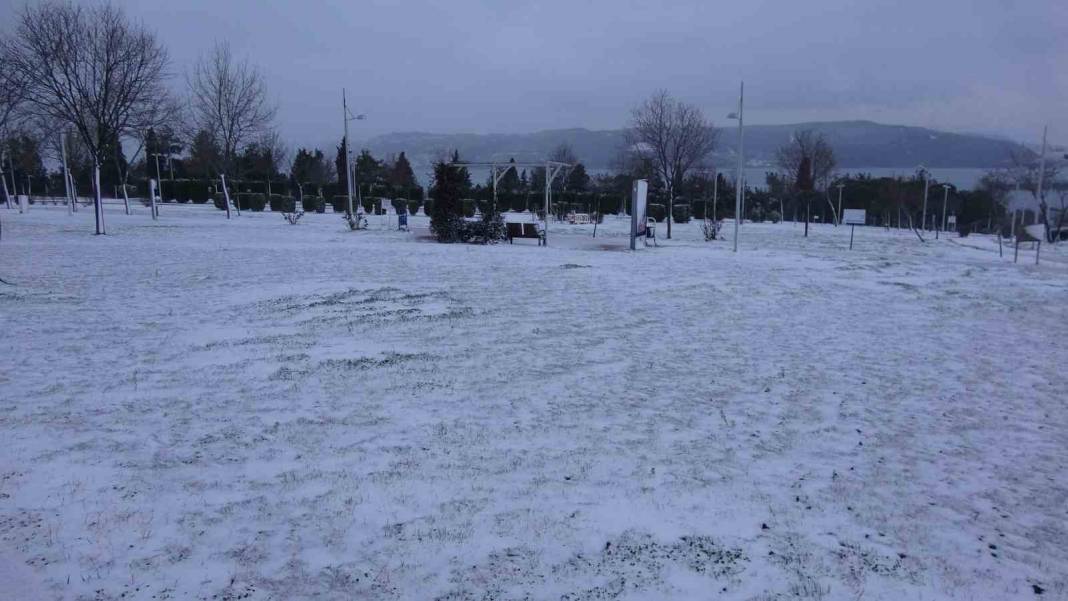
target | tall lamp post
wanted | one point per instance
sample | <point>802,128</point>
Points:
<point>349,179</point>
<point>739,182</point>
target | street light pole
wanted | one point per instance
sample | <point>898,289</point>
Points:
<point>349,167</point>
<point>739,182</point>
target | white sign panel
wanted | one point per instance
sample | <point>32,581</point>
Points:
<point>952,220</point>
<point>854,216</point>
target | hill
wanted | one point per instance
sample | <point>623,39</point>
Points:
<point>857,144</point>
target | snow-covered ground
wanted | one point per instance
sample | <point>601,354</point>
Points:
<point>202,409</point>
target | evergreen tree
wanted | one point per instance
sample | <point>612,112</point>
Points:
<point>340,165</point>
<point>465,175</point>
<point>510,181</point>
<point>446,215</point>
<point>401,176</point>
<point>204,155</point>
<point>578,180</point>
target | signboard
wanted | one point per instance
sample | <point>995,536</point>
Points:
<point>854,217</point>
<point>952,221</point>
<point>639,193</point>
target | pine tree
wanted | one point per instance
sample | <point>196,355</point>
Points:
<point>401,176</point>
<point>446,215</point>
<point>578,180</point>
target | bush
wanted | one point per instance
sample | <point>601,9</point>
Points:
<point>468,205</point>
<point>774,216</point>
<point>400,205</point>
<point>219,200</point>
<point>657,212</point>
<point>428,206</point>
<point>681,213</point>
<point>413,207</point>
<point>489,230</point>
<point>518,202</point>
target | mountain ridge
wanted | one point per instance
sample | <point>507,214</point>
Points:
<point>857,143</point>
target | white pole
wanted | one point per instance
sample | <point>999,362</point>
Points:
<point>66,172</point>
<point>926,185</point>
<point>1041,171</point>
<point>3,178</point>
<point>715,193</point>
<point>98,200</point>
<point>348,151</point>
<point>226,194</point>
<point>159,178</point>
<point>152,195</point>
<point>839,215</point>
<point>945,200</point>
<point>546,229</point>
<point>741,166</point>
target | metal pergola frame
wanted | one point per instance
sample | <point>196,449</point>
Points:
<point>498,170</point>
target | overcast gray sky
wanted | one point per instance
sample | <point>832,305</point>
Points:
<point>991,66</point>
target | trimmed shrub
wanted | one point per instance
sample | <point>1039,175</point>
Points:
<point>283,204</point>
<point>699,208</point>
<point>519,202</point>
<point>309,203</point>
<point>428,206</point>
<point>400,205</point>
<point>468,207</point>
<point>257,202</point>
<point>680,213</point>
<point>774,216</point>
<point>657,212</point>
<point>413,207</point>
<point>340,203</point>
<point>220,201</point>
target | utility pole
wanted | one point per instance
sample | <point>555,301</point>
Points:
<point>159,178</point>
<point>741,165</point>
<point>348,152</point>
<point>1042,174</point>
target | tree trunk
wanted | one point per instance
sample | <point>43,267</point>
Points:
<point>7,195</point>
<point>808,214</point>
<point>671,211</point>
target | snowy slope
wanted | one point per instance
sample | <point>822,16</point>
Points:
<point>203,409</point>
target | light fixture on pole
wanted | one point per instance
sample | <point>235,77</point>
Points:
<point>349,174</point>
<point>741,163</point>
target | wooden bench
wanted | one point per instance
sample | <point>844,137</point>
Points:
<point>525,230</point>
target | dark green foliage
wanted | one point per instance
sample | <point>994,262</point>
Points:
<point>577,179</point>
<point>680,213</point>
<point>400,205</point>
<point>489,230</point>
<point>657,212</point>
<point>340,203</point>
<point>309,203</point>
<point>468,207</point>
<point>219,200</point>
<point>401,176</point>
<point>446,211</point>
<point>773,216</point>
<point>518,202</point>
<point>428,207</point>
<point>413,207</point>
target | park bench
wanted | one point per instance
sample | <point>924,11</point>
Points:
<point>525,230</point>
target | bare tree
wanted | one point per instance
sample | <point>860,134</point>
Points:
<point>1025,172</point>
<point>674,136</point>
<point>90,67</point>
<point>229,100</point>
<point>809,152</point>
